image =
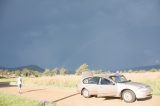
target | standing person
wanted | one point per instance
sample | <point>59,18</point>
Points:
<point>19,83</point>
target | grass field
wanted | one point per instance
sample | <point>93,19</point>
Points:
<point>7,80</point>
<point>67,81</point>
<point>12,100</point>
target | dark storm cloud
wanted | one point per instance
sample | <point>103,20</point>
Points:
<point>107,34</point>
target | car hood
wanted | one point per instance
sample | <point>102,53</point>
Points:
<point>136,84</point>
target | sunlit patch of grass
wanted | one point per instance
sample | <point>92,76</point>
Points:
<point>7,79</point>
<point>11,100</point>
<point>69,81</point>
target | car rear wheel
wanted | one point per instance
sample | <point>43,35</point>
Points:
<point>128,96</point>
<point>85,93</point>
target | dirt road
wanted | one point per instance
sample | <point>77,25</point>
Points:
<point>69,97</point>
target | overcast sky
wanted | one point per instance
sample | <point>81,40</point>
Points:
<point>105,34</point>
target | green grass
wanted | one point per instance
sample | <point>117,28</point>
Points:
<point>11,100</point>
<point>7,79</point>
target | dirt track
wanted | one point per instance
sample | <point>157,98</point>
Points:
<point>69,97</point>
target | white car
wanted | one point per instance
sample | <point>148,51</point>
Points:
<point>115,86</point>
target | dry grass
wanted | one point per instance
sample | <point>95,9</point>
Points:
<point>142,75</point>
<point>54,81</point>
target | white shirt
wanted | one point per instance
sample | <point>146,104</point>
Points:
<point>19,80</point>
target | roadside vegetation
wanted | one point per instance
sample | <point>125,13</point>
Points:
<point>12,100</point>
<point>60,81</point>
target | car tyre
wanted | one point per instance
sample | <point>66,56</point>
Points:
<point>128,96</point>
<point>85,93</point>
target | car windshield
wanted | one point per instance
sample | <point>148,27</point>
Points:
<point>119,79</point>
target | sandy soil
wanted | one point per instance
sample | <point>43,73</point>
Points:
<point>69,97</point>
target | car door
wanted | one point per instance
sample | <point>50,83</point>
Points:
<point>91,84</point>
<point>106,87</point>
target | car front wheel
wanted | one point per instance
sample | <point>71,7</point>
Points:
<point>85,93</point>
<point>128,96</point>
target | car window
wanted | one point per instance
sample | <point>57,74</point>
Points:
<point>91,80</point>
<point>85,81</point>
<point>119,79</point>
<point>105,81</point>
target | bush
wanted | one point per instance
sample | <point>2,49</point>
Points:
<point>82,68</point>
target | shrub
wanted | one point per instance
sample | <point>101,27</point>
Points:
<point>82,68</point>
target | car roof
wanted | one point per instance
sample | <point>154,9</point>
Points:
<point>102,75</point>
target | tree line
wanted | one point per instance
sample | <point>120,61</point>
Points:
<point>35,73</point>
<point>57,71</point>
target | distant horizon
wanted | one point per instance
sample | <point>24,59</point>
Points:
<point>131,68</point>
